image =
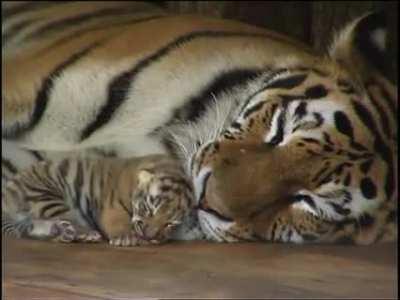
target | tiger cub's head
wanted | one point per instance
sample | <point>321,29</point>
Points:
<point>161,199</point>
<point>316,128</point>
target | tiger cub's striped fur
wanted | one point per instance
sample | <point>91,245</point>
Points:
<point>126,201</point>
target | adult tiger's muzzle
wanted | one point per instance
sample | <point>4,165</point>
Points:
<point>248,179</point>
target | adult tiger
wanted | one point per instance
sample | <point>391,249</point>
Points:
<point>95,77</point>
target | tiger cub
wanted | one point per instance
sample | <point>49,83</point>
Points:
<point>126,201</point>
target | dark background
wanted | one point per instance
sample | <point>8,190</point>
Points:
<point>311,21</point>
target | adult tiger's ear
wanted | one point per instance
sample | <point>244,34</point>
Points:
<point>361,46</point>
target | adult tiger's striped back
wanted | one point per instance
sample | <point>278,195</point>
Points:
<point>203,89</point>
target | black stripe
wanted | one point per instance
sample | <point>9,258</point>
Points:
<point>328,139</point>
<point>347,180</point>
<point>343,124</point>
<point>320,120</point>
<point>14,29</point>
<point>339,209</point>
<point>92,185</point>
<point>204,188</point>
<point>77,20</point>
<point>270,76</point>
<point>300,111</point>
<point>92,219</point>
<point>345,86</point>
<point>6,163</point>
<point>379,145</point>
<point>254,108</point>
<point>311,93</point>
<point>7,12</point>
<point>390,102</point>
<point>316,92</point>
<point>315,70</point>
<point>236,125</point>
<point>77,185</point>
<point>37,155</point>
<point>383,118</point>
<point>311,141</point>
<point>62,184</point>
<point>121,84</point>
<point>278,137</point>
<point>358,147</point>
<point>179,182</point>
<point>64,167</point>
<point>195,107</point>
<point>319,174</point>
<point>43,95</point>
<point>48,206</point>
<point>88,213</point>
<point>392,108</point>
<point>44,197</point>
<point>43,183</point>
<point>241,238</point>
<point>288,82</point>
<point>306,198</point>
<point>366,166</point>
<point>216,214</point>
<point>58,212</point>
<point>124,206</point>
<point>273,231</point>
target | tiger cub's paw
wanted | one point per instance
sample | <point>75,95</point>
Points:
<point>64,231</point>
<point>131,239</point>
<point>91,236</point>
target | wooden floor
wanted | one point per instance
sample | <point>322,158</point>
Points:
<point>40,270</point>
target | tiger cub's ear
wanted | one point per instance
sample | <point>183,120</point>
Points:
<point>361,46</point>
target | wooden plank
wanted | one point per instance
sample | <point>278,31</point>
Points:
<point>206,270</point>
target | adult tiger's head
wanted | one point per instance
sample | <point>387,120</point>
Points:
<point>316,134</point>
